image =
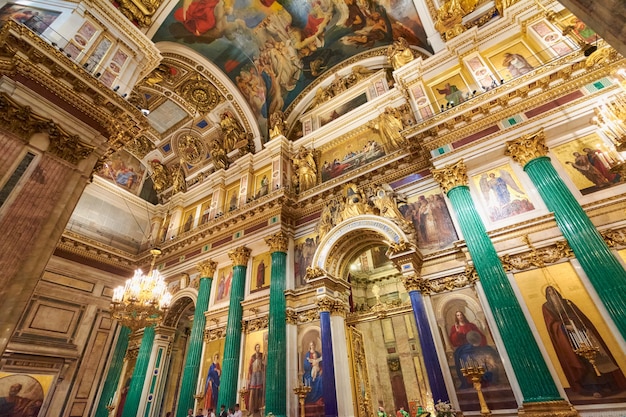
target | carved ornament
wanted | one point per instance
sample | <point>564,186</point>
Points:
<point>201,93</point>
<point>559,408</point>
<point>399,247</point>
<point>214,334</point>
<point>341,84</point>
<point>451,176</point>
<point>414,282</point>
<point>207,268</point>
<point>291,316</point>
<point>278,242</point>
<point>255,324</point>
<point>537,258</point>
<point>239,256</point>
<point>139,11</point>
<point>191,148</point>
<point>614,238</point>
<point>139,146</point>
<point>278,126</point>
<point>527,148</point>
<point>449,283</point>
<point>21,121</point>
<point>313,272</point>
<point>325,304</point>
<point>601,56</point>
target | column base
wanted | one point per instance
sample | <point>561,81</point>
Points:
<point>559,408</point>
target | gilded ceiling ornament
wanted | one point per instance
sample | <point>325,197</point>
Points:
<point>161,73</point>
<point>537,258</point>
<point>160,176</point>
<point>139,11</point>
<point>449,19</point>
<point>330,217</point>
<point>201,93</point>
<point>399,247</point>
<point>233,133</point>
<point>604,55</point>
<point>207,268</point>
<point>451,176</point>
<point>191,148</point>
<point>527,148</point>
<point>239,256</point>
<point>67,147</point>
<point>179,183</point>
<point>278,242</point>
<point>399,53</point>
<point>139,146</point>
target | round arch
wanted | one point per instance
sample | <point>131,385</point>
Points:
<point>343,241</point>
<point>180,302</point>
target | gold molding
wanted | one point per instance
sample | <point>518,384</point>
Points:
<point>239,256</point>
<point>451,176</point>
<point>207,268</point>
<point>527,147</point>
<point>560,408</point>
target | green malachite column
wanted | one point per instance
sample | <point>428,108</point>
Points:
<point>230,364</point>
<point>115,370</point>
<point>194,351</point>
<point>603,269</point>
<point>133,398</point>
<point>530,368</point>
<point>276,370</point>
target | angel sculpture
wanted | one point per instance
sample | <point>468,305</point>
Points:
<point>385,201</point>
<point>496,191</point>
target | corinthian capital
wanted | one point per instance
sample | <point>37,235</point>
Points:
<point>206,268</point>
<point>451,176</point>
<point>416,283</point>
<point>240,256</point>
<point>277,242</point>
<point>527,148</point>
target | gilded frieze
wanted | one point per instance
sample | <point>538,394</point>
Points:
<point>536,258</point>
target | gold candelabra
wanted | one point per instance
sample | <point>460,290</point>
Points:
<point>301,391</point>
<point>474,371</point>
<point>110,407</point>
<point>242,396</point>
<point>589,352</point>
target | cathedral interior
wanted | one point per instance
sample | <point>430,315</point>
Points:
<point>312,208</point>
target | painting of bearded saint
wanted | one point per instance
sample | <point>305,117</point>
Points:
<point>431,219</point>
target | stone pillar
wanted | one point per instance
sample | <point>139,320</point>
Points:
<point>137,381</point>
<point>328,363</point>
<point>604,271</point>
<point>530,368</point>
<point>437,384</point>
<point>194,351</point>
<point>345,400</point>
<point>276,371</point>
<point>230,364</point>
<point>114,373</point>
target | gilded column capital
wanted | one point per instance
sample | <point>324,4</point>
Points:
<point>451,176</point>
<point>325,304</point>
<point>239,256</point>
<point>206,268</point>
<point>527,147</point>
<point>291,316</point>
<point>414,282</point>
<point>278,242</point>
<point>339,308</point>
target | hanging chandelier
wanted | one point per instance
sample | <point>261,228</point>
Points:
<point>144,299</point>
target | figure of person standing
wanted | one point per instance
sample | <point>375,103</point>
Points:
<point>260,275</point>
<point>256,379</point>
<point>212,385</point>
<point>464,336</point>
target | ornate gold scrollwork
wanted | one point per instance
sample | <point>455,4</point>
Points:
<point>139,11</point>
<point>239,256</point>
<point>139,146</point>
<point>207,268</point>
<point>527,147</point>
<point>451,176</point>
<point>313,272</point>
<point>537,258</point>
<point>278,242</point>
<point>201,93</point>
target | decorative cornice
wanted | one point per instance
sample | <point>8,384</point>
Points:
<point>214,334</point>
<point>278,242</point>
<point>451,176</point>
<point>291,316</point>
<point>527,147</point>
<point>614,238</point>
<point>239,256</point>
<point>21,121</point>
<point>207,268</point>
<point>255,324</point>
<point>453,282</point>
<point>537,258</point>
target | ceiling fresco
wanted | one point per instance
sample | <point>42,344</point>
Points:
<point>272,50</point>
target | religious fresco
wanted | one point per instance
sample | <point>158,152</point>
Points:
<point>348,155</point>
<point>343,109</point>
<point>261,272</point>
<point>205,210</point>
<point>514,60</point>
<point>223,284</point>
<point>304,249</point>
<point>588,162</point>
<point>254,364</point>
<point>22,395</point>
<point>467,339</point>
<point>211,374</point>
<point>188,220</point>
<point>432,221</point>
<point>581,29</point>
<point>310,367</point>
<point>123,170</point>
<point>232,198</point>
<point>273,49</point>
<point>501,193</point>
<point>566,317</point>
<point>34,18</point>
<point>262,182</point>
<point>451,91</point>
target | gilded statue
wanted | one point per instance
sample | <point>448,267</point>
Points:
<point>158,75</point>
<point>278,125</point>
<point>386,202</point>
<point>179,182</point>
<point>389,125</point>
<point>305,170</point>
<point>328,218</point>
<point>218,155</point>
<point>232,131</point>
<point>449,21</point>
<point>399,53</point>
<point>355,202</point>
<point>160,177</point>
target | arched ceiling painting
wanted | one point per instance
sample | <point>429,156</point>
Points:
<point>273,49</point>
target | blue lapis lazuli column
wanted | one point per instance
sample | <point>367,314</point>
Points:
<point>328,367</point>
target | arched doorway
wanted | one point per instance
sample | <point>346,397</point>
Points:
<point>367,253</point>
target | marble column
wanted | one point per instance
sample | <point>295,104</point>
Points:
<point>436,381</point>
<point>604,271</point>
<point>115,371</point>
<point>532,373</point>
<point>137,381</point>
<point>194,351</point>
<point>329,387</point>
<point>232,347</point>
<point>276,371</point>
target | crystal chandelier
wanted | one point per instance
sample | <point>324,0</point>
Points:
<point>143,300</point>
